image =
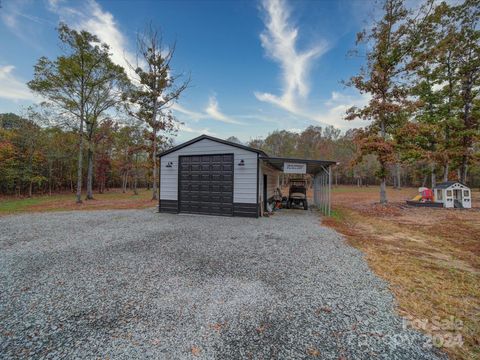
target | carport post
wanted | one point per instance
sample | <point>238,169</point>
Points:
<point>329,190</point>
<point>322,196</point>
<point>325,206</point>
<point>319,191</point>
<point>326,185</point>
<point>315,189</point>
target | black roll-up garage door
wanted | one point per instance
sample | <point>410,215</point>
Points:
<point>206,184</point>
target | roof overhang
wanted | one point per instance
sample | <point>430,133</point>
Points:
<point>221,141</point>
<point>313,166</point>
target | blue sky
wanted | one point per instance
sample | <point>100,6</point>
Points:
<point>256,66</point>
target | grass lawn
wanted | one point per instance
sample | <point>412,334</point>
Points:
<point>430,257</point>
<point>113,199</point>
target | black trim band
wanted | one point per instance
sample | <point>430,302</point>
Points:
<point>245,210</point>
<point>168,206</point>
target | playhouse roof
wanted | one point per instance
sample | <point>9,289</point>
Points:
<point>447,184</point>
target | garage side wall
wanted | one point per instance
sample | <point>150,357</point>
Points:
<point>272,180</point>
<point>244,177</point>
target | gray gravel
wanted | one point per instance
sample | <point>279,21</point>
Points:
<point>137,284</point>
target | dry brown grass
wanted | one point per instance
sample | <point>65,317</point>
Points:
<point>430,257</point>
<point>113,199</point>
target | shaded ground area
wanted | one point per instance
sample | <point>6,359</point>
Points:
<point>430,257</point>
<point>137,284</point>
<point>112,199</point>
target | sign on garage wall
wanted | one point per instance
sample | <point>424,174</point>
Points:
<point>294,168</point>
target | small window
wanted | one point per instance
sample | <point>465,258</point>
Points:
<point>449,193</point>
<point>466,193</point>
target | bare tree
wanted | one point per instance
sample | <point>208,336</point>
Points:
<point>157,89</point>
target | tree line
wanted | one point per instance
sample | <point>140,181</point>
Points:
<point>101,125</point>
<point>97,125</point>
<point>44,159</point>
<point>422,73</point>
<point>422,76</point>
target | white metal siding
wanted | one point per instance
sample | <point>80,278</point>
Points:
<point>244,177</point>
<point>272,180</point>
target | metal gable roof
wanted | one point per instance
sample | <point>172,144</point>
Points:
<point>447,184</point>
<point>313,166</point>
<point>202,137</point>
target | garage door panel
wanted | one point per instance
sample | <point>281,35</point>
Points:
<point>185,187</point>
<point>194,187</point>
<point>227,188</point>
<point>206,184</point>
<point>193,197</point>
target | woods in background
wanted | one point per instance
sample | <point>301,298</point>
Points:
<point>423,78</point>
<point>421,75</point>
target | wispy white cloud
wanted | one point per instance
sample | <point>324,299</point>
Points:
<point>279,40</point>
<point>90,16</point>
<point>213,110</point>
<point>15,17</point>
<point>188,129</point>
<point>12,88</point>
<point>192,115</point>
<point>335,110</point>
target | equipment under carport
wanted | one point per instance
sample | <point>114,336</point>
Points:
<point>297,194</point>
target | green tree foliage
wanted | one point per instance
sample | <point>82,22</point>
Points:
<point>81,82</point>
<point>444,73</point>
<point>390,42</point>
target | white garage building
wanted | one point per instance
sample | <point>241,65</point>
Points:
<point>207,175</point>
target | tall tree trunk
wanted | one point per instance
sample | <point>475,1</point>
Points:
<point>463,171</point>
<point>124,182</point>
<point>30,187</point>
<point>467,140</point>
<point>383,179</point>
<point>80,162</point>
<point>398,176</point>
<point>50,178</point>
<point>383,191</point>
<point>445,171</point>
<point>433,175</point>
<point>89,174</point>
<point>154,152</point>
<point>135,192</point>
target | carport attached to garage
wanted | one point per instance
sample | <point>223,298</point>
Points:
<point>212,176</point>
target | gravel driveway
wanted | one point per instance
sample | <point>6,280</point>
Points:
<point>137,284</point>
